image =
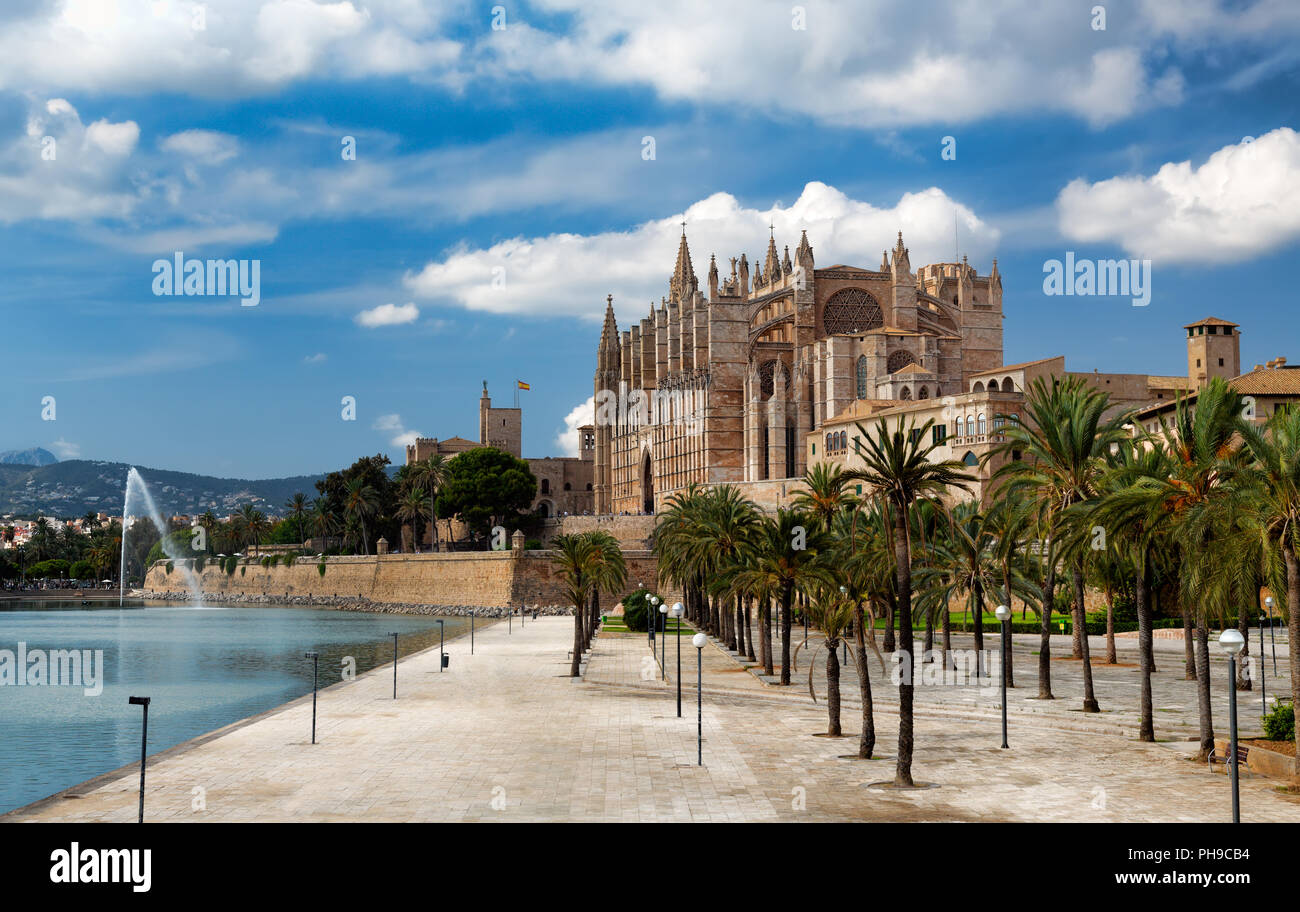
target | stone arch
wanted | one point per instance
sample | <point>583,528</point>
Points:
<point>545,509</point>
<point>1008,386</point>
<point>906,394</point>
<point>970,459</point>
<point>899,360</point>
<point>923,393</point>
<point>979,424</point>
<point>978,387</point>
<point>851,310</point>
<point>970,425</point>
<point>993,386</point>
<point>647,485</point>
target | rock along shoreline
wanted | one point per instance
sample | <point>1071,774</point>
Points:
<point>357,604</point>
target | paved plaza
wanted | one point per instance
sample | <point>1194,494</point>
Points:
<point>506,735</point>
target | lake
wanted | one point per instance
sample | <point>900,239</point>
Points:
<point>203,668</point>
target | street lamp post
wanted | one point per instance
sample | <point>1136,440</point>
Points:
<point>144,742</point>
<point>1232,642</point>
<point>1268,603</point>
<point>315,668</point>
<point>698,642</point>
<point>442,654</point>
<point>471,631</point>
<point>394,636</point>
<point>1003,614</point>
<point>651,621</point>
<point>663,645</point>
<point>677,612</point>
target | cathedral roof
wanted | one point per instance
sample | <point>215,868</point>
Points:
<point>1010,367</point>
<point>913,368</point>
<point>683,281</point>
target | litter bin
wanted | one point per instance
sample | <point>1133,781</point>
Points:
<point>446,660</point>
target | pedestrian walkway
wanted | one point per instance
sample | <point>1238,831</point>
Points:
<point>507,735</point>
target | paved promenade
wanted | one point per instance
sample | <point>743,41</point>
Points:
<point>505,735</point>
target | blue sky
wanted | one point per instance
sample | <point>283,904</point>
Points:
<point>519,153</point>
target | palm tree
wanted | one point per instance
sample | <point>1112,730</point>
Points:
<point>677,553</point>
<point>788,556</point>
<point>726,526</point>
<point>865,557</point>
<point>360,502</point>
<point>410,509</point>
<point>252,525</point>
<point>1058,459</point>
<point>587,562</point>
<point>898,468</point>
<point>429,475</point>
<point>823,493</point>
<point>1273,483</point>
<point>833,612</point>
<point>322,521</point>
<point>297,507</point>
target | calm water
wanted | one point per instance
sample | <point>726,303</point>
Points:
<point>203,667</point>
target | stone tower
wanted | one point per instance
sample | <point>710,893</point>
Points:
<point>1213,350</point>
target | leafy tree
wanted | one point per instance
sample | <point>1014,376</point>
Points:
<point>487,487</point>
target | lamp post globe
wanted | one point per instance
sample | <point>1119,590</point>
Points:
<point>1231,641</point>
<point>1002,612</point>
<point>677,610</point>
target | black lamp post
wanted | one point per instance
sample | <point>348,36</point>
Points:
<point>652,620</point>
<point>1232,642</point>
<point>1268,603</point>
<point>1003,614</point>
<point>144,742</point>
<point>663,644</point>
<point>698,642</point>
<point>315,667</point>
<point>394,636</point>
<point>677,612</point>
<point>442,654</point>
<point>471,631</point>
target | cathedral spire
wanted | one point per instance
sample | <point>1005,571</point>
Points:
<point>803,254</point>
<point>683,282</point>
<point>772,265</point>
<point>609,332</point>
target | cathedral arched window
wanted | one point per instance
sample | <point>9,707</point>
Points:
<point>970,426</point>
<point>862,376</point>
<point>844,440</point>
<point>899,360</point>
<point>978,387</point>
<point>906,393</point>
<point>993,386</point>
<point>766,373</point>
<point>971,459</point>
<point>546,486</point>
<point>828,443</point>
<point>851,310</point>
<point>923,394</point>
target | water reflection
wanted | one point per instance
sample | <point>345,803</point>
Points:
<point>203,669</point>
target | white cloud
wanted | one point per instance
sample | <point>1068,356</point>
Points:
<point>1244,201</point>
<point>388,315</point>
<point>566,440</point>
<point>862,63</point>
<point>206,146</point>
<point>65,449</point>
<point>571,273</point>
<point>317,358</point>
<point>392,425</point>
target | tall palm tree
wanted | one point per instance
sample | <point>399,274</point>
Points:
<point>1057,461</point>
<point>252,525</point>
<point>360,502</point>
<point>789,556</point>
<point>823,492</point>
<point>898,468</point>
<point>1273,484</point>
<point>297,507</point>
<point>410,509</point>
<point>322,521</point>
<point>587,563</point>
<point>725,527</point>
<point>429,475</point>
<point>833,612</point>
<point>865,558</point>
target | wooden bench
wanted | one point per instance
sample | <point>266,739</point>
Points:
<point>1216,757</point>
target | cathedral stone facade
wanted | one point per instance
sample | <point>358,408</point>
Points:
<point>723,384</point>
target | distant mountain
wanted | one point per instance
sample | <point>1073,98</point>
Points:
<point>80,486</point>
<point>33,457</point>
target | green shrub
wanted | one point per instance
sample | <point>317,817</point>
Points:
<point>634,610</point>
<point>82,570</point>
<point>320,568</point>
<point>169,568</point>
<point>533,544</point>
<point>1279,725</point>
<point>199,563</point>
<point>243,571</point>
<point>231,563</point>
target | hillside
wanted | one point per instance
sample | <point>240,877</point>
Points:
<point>33,457</point>
<point>79,486</point>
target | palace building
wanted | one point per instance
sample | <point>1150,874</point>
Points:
<point>722,384</point>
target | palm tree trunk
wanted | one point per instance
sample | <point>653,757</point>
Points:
<point>1203,690</point>
<point>739,627</point>
<point>765,634</point>
<point>833,688</point>
<point>947,638</point>
<point>867,741</point>
<point>903,589</point>
<point>749,629</point>
<point>1147,729</point>
<point>978,600</point>
<point>1045,631</point>
<point>889,622</point>
<point>1189,650</point>
<point>1110,630</point>
<point>786,600</point>
<point>929,636</point>
<point>1080,624</point>
<point>575,667</point>
<point>593,617</point>
<point>1292,632</point>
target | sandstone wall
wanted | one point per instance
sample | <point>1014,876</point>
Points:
<point>487,578</point>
